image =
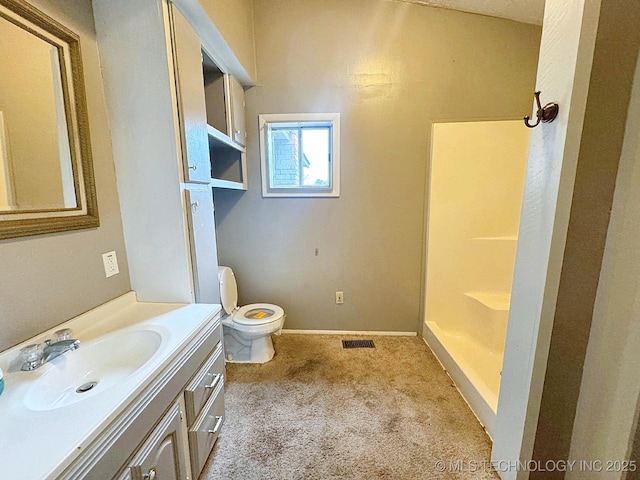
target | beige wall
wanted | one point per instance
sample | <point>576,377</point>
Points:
<point>234,21</point>
<point>49,279</point>
<point>476,184</point>
<point>390,69</point>
<point>610,391</point>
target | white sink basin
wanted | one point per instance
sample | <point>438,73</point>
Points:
<point>92,368</point>
<point>127,347</point>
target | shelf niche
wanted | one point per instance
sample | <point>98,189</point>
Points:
<point>228,158</point>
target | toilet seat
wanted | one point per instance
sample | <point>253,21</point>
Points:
<point>258,314</point>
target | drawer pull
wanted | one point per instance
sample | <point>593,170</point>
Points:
<point>151,475</point>
<point>214,381</point>
<point>218,423</point>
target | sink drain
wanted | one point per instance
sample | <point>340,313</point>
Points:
<point>85,387</point>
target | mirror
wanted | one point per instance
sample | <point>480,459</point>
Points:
<point>46,170</point>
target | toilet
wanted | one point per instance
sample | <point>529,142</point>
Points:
<point>247,330</point>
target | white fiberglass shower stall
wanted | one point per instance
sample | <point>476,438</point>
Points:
<point>475,194</point>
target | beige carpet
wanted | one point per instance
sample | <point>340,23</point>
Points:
<point>318,411</point>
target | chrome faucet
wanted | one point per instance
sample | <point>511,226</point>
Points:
<point>53,350</point>
<point>35,355</point>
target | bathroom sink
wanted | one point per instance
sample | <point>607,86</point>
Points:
<point>93,368</point>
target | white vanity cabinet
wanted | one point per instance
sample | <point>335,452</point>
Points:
<point>154,436</point>
<point>168,452</point>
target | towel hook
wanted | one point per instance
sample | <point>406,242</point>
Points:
<point>546,114</point>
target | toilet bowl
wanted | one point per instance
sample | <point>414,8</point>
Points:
<point>247,330</point>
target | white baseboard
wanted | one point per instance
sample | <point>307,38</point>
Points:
<point>349,332</point>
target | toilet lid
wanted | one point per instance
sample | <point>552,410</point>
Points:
<point>228,289</point>
<point>258,314</point>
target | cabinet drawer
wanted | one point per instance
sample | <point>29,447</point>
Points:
<point>204,432</point>
<point>205,381</point>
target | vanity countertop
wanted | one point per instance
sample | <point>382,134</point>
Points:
<point>41,437</point>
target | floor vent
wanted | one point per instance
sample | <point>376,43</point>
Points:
<point>358,344</point>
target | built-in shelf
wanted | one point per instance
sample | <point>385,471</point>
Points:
<point>224,106</point>
<point>228,161</point>
<point>217,138</point>
<point>220,183</point>
<point>495,301</point>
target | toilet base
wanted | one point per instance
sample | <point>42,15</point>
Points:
<point>240,350</point>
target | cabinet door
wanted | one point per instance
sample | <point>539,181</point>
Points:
<point>163,455</point>
<point>238,128</point>
<point>187,58</point>
<point>204,253</point>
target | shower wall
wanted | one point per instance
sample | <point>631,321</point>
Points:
<point>476,185</point>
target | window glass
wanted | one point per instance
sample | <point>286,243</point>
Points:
<point>300,155</point>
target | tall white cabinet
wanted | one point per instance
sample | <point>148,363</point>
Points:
<point>152,72</point>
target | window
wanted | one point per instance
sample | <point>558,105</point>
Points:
<point>300,155</point>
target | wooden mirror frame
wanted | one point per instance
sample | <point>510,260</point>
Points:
<point>85,214</point>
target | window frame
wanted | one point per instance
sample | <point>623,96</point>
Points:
<point>309,120</point>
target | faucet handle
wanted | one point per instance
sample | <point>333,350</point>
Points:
<point>63,334</point>
<point>31,356</point>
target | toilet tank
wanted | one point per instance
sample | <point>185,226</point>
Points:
<point>228,289</point>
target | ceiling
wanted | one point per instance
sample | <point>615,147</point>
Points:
<point>527,11</point>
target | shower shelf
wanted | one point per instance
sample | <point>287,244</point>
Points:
<point>494,301</point>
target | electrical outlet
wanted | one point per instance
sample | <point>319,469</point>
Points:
<point>110,262</point>
<point>339,298</point>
